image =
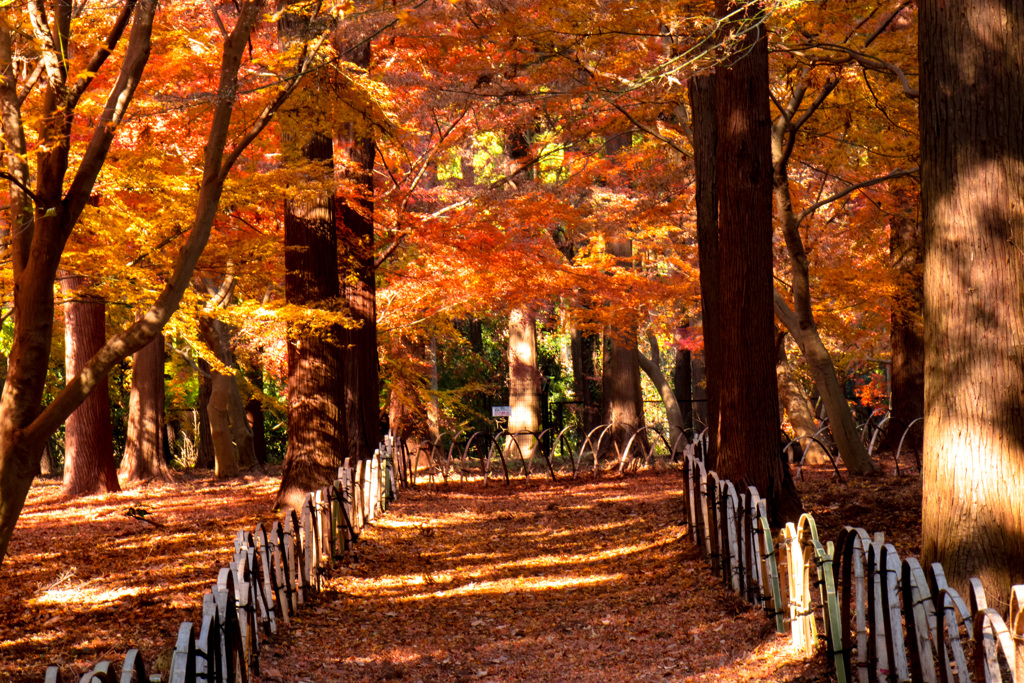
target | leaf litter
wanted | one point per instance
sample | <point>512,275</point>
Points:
<point>568,581</point>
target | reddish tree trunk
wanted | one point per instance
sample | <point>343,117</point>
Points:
<point>88,437</point>
<point>705,137</point>
<point>748,426</point>
<point>144,457</point>
<point>356,151</point>
<point>622,400</point>
<point>317,435</point>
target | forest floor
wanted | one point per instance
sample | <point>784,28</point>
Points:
<point>543,581</point>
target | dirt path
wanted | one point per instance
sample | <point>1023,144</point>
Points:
<point>543,582</point>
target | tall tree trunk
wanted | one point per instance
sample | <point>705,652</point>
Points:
<point>972,189</point>
<point>254,414</point>
<point>705,141</point>
<point>682,386</point>
<point>144,457</point>
<point>317,435</point>
<point>355,147</point>
<point>748,428</point>
<point>700,395</point>
<point>907,332</point>
<point>228,397</point>
<point>205,458</point>
<point>524,397</point>
<point>621,397</point>
<point>584,377</point>
<point>88,437</point>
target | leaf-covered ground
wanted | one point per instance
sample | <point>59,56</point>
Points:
<point>592,580</point>
<point>544,582</point>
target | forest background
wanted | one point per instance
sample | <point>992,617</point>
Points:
<point>489,171</point>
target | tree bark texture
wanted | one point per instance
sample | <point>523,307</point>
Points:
<point>906,404</point>
<point>144,458</point>
<point>972,182</point>
<point>621,397</point>
<point>224,389</point>
<point>748,428</point>
<point>355,151</point>
<point>705,140</point>
<point>524,395</point>
<point>88,437</point>
<point>204,455</point>
<point>317,435</point>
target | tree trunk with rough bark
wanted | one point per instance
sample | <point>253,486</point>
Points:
<point>682,386</point>
<point>88,437</point>
<point>317,435</point>
<point>621,398</point>
<point>748,428</point>
<point>972,192</point>
<point>584,378</point>
<point>356,150</point>
<point>144,458</point>
<point>705,141</point>
<point>205,458</point>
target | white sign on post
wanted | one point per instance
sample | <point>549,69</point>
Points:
<point>501,411</point>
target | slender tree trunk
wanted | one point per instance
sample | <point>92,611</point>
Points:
<point>584,377</point>
<point>143,452</point>
<point>254,415</point>
<point>524,395</point>
<point>224,388</point>
<point>748,428</point>
<point>801,326</point>
<point>317,435</point>
<point>673,412</point>
<point>972,189</point>
<point>700,396</point>
<point>794,402</point>
<point>682,386</point>
<point>205,458</point>
<point>705,140</point>
<point>907,333</point>
<point>357,151</point>
<point>88,437</point>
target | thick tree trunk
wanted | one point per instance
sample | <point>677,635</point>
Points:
<point>748,428</point>
<point>224,387</point>
<point>700,396</point>
<point>88,437</point>
<point>972,185</point>
<point>705,141</point>
<point>524,396</point>
<point>143,451</point>
<point>357,151</point>
<point>317,435</point>
<point>798,409</point>
<point>907,333</point>
<point>621,398</point>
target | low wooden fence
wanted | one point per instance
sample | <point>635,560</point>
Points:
<point>269,578</point>
<point>452,454</point>
<point>883,619</point>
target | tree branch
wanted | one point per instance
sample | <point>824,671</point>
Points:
<point>101,54</point>
<point>853,188</point>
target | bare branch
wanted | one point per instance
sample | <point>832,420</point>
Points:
<point>853,188</point>
<point>116,31</point>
